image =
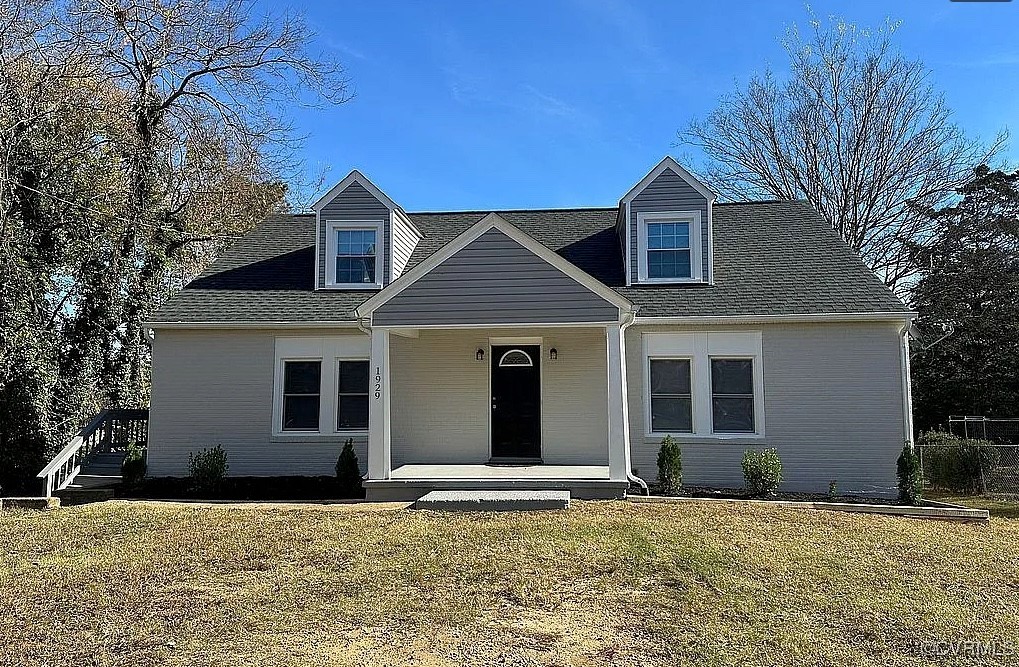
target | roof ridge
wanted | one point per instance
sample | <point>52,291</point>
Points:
<point>516,210</point>
<point>761,201</point>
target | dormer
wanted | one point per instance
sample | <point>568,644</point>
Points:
<point>363,239</point>
<point>664,227</point>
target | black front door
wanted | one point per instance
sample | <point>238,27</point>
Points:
<point>516,401</point>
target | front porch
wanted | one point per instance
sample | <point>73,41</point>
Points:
<point>411,481</point>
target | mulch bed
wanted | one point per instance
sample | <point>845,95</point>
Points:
<point>238,488</point>
<point>741,494</point>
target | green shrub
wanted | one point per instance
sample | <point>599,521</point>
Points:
<point>133,468</point>
<point>957,464</point>
<point>207,468</point>
<point>910,475</point>
<point>348,472</point>
<point>762,471</point>
<point>670,467</point>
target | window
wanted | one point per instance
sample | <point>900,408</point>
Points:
<point>732,395</point>
<point>668,250</point>
<point>352,395</point>
<point>671,406</point>
<point>355,256</point>
<point>301,397</point>
<point>516,358</point>
<point>669,246</point>
<point>705,384</point>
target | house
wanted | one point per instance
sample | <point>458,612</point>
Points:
<point>537,348</point>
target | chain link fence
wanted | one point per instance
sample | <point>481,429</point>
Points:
<point>977,455</point>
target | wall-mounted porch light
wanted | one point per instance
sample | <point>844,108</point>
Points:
<point>553,354</point>
<point>479,355</point>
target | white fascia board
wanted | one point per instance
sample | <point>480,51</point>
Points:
<point>350,178</point>
<point>669,163</point>
<point>794,318</point>
<point>492,221</point>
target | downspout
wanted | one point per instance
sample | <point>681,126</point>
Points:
<point>907,386</point>
<point>633,479</point>
<point>366,330</point>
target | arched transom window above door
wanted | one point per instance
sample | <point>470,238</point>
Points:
<point>516,358</point>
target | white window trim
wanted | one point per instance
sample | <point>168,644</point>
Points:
<point>696,247</point>
<point>380,264</point>
<point>701,348</point>
<point>328,350</point>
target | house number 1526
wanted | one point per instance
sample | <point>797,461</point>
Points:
<point>378,382</point>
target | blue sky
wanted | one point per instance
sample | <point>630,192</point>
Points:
<point>492,104</point>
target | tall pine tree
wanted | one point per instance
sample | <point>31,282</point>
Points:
<point>970,284</point>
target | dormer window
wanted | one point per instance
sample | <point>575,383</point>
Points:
<point>669,247</point>
<point>354,260</point>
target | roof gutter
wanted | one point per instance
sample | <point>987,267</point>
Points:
<point>881,316</point>
<point>268,324</point>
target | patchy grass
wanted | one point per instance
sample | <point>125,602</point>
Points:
<point>136,583</point>
<point>1005,508</point>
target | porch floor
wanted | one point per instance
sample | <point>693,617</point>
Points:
<point>498,472</point>
<point>412,481</point>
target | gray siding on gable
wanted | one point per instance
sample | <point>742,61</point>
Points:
<point>354,203</point>
<point>404,240</point>
<point>832,406</point>
<point>492,280</point>
<point>668,192</point>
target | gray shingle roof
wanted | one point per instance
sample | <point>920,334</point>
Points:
<point>771,258</point>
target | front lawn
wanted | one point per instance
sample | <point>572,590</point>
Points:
<point>136,583</point>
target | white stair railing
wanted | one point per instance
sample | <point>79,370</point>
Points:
<point>108,431</point>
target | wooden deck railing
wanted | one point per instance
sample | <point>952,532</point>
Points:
<point>112,430</point>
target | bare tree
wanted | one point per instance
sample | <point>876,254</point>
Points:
<point>854,128</point>
<point>206,85</point>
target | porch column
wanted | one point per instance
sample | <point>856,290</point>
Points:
<point>380,462</point>
<point>619,428</point>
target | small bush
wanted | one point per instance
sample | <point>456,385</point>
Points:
<point>762,471</point>
<point>207,468</point>
<point>910,475</point>
<point>957,464</point>
<point>133,468</point>
<point>348,472</point>
<point>670,467</point>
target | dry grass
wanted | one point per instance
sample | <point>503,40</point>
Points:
<point>604,583</point>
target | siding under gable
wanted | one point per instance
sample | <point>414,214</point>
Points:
<point>493,280</point>
<point>216,388</point>
<point>668,192</point>
<point>832,402</point>
<point>354,203</point>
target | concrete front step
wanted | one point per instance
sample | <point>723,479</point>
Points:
<point>76,495</point>
<point>494,500</point>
